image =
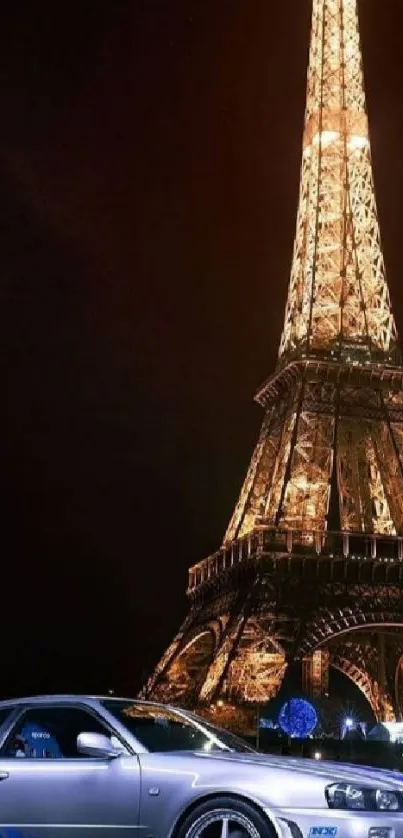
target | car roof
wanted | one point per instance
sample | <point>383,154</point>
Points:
<point>67,698</point>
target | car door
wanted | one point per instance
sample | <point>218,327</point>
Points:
<point>49,790</point>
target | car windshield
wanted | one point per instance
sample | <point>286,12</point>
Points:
<point>160,728</point>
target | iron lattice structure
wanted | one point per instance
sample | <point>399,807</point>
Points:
<point>314,549</point>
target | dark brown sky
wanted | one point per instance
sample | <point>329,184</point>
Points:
<point>149,170</point>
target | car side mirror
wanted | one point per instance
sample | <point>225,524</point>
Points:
<point>98,745</point>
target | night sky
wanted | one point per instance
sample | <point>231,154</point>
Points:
<point>150,154</point>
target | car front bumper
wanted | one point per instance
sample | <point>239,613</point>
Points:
<point>336,823</point>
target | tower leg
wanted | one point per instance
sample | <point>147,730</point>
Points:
<point>219,666</point>
<point>399,685</point>
<point>382,680</point>
<point>315,674</point>
<point>228,645</point>
<point>249,664</point>
<point>167,658</point>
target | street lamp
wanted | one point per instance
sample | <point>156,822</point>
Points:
<point>348,725</point>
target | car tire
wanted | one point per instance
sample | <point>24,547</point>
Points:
<point>241,818</point>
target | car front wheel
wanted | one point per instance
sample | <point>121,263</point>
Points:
<point>225,818</point>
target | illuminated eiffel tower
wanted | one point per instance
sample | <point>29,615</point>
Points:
<point>310,571</point>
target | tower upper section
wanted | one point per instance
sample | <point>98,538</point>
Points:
<point>338,301</point>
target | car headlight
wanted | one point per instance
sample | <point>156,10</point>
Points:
<point>347,796</point>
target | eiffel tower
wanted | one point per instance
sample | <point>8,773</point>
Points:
<point>309,575</point>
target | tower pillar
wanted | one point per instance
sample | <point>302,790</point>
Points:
<point>315,674</point>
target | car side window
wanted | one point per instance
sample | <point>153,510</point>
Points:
<point>5,712</point>
<point>50,733</point>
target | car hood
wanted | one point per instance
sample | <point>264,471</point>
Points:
<point>329,771</point>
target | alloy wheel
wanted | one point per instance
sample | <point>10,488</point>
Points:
<point>223,823</point>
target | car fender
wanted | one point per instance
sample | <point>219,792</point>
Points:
<point>205,796</point>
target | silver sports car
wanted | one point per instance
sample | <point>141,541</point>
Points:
<point>89,767</point>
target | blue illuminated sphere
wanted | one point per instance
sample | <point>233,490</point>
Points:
<point>298,718</point>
